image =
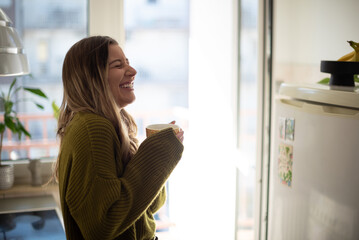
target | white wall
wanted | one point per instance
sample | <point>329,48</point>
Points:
<point>308,31</point>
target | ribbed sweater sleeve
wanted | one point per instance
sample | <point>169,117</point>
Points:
<point>103,203</point>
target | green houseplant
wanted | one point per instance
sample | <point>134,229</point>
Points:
<point>11,121</point>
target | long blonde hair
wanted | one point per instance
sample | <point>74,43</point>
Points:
<point>86,89</point>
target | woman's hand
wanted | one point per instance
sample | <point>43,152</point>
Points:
<point>180,134</point>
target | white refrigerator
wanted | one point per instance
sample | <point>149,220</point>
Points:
<point>314,166</point>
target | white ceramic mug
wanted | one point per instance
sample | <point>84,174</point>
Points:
<point>155,128</point>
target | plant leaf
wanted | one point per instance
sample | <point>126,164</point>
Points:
<point>56,110</point>
<point>324,81</point>
<point>2,127</point>
<point>11,86</point>
<point>22,129</point>
<point>36,91</point>
<point>8,107</point>
<point>9,122</point>
<point>39,105</point>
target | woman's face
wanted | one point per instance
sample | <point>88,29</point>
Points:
<point>120,76</point>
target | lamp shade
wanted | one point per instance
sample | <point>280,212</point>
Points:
<point>13,60</point>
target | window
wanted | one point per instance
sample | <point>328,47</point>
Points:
<point>248,110</point>
<point>48,29</point>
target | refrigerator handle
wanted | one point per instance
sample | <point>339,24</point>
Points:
<point>321,109</point>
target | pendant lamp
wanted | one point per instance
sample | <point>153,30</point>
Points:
<point>13,60</point>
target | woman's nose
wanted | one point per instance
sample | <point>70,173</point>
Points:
<point>131,72</point>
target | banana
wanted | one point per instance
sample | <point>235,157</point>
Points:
<point>352,56</point>
<point>346,57</point>
<point>354,45</point>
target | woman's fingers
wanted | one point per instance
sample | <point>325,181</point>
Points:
<point>180,135</point>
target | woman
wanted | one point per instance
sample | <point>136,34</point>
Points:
<point>109,187</point>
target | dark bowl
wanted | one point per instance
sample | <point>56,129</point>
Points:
<point>342,73</point>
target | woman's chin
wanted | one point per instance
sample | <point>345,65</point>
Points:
<point>126,102</point>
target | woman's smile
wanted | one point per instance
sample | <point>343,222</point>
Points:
<point>128,85</point>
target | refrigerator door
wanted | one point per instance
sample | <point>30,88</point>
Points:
<point>313,187</point>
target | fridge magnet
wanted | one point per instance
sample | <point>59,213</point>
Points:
<point>281,127</point>
<point>289,129</point>
<point>285,164</point>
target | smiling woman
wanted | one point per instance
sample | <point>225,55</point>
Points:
<point>101,165</point>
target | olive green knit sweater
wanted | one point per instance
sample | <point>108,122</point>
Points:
<point>101,199</point>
